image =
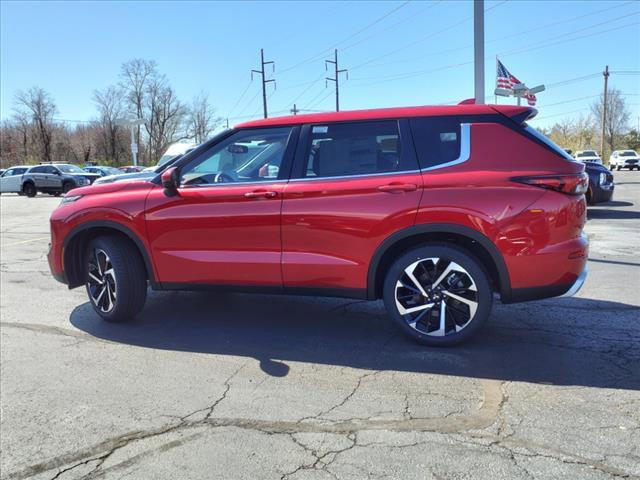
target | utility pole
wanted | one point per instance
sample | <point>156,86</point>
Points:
<point>294,110</point>
<point>478,51</point>
<point>604,111</point>
<point>336,78</point>
<point>264,80</point>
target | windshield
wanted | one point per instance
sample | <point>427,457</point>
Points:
<point>70,169</point>
<point>629,153</point>
<point>587,153</point>
<point>532,131</point>
<point>111,171</point>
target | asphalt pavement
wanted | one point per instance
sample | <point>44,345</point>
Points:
<point>229,386</point>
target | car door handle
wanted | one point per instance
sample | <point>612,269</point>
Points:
<point>260,194</point>
<point>398,187</point>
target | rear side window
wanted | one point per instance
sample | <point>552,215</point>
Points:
<point>437,140</point>
<point>40,169</point>
<point>362,148</point>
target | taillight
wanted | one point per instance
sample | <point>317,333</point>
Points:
<point>571,184</point>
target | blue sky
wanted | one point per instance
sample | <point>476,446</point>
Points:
<point>397,53</point>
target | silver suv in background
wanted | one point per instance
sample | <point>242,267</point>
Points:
<point>55,179</point>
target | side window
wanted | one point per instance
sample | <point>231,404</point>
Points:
<point>437,140</point>
<point>8,173</point>
<point>39,169</point>
<point>362,148</point>
<point>51,170</point>
<point>246,156</point>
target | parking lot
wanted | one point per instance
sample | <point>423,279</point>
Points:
<point>219,385</point>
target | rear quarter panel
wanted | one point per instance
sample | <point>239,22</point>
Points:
<point>522,221</point>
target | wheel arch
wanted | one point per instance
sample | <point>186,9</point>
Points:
<point>76,241</point>
<point>475,242</point>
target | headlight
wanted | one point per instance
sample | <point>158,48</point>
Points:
<point>603,178</point>
<point>70,199</point>
<point>84,181</point>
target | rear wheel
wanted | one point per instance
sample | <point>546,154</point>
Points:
<point>29,190</point>
<point>67,187</point>
<point>115,279</point>
<point>438,294</point>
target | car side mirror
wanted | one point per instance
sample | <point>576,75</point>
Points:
<point>170,180</point>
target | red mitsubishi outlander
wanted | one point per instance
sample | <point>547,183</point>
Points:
<point>433,209</point>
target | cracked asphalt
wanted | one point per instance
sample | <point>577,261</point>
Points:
<point>235,386</point>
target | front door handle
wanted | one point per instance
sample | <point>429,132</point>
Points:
<point>398,187</point>
<point>260,194</point>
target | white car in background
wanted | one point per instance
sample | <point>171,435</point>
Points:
<point>11,179</point>
<point>624,159</point>
<point>588,156</point>
<point>175,149</point>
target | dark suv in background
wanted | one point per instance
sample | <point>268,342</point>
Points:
<point>55,179</point>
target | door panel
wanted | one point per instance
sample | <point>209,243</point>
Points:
<point>332,227</point>
<point>223,226</point>
<point>357,183</point>
<point>220,234</point>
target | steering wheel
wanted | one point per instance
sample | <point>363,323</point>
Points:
<point>223,178</point>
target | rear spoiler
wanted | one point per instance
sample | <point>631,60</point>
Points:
<point>516,113</point>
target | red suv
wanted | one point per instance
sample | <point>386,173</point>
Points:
<point>433,209</point>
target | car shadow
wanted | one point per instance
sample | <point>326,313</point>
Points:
<point>560,341</point>
<point>593,213</point>
<point>615,203</point>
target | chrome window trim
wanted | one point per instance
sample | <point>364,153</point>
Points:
<point>360,175</point>
<point>230,184</point>
<point>465,149</point>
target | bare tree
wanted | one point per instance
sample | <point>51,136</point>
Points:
<point>110,107</point>
<point>617,116</point>
<point>164,114</point>
<point>135,77</point>
<point>40,106</point>
<point>201,120</point>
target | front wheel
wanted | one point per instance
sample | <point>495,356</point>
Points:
<point>437,294</point>
<point>67,187</point>
<point>116,281</point>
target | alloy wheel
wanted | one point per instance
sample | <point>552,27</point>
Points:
<point>436,297</point>
<point>101,281</point>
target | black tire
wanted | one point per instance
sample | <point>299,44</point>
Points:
<point>422,331</point>
<point>128,280</point>
<point>67,187</point>
<point>55,194</point>
<point>619,168</point>
<point>29,189</point>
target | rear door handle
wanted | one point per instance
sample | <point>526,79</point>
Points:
<point>398,187</point>
<point>260,194</point>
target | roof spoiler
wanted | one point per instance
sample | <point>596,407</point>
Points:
<point>516,113</point>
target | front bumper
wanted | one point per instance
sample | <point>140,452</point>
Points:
<point>578,283</point>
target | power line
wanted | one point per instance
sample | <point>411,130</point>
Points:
<point>239,99</point>
<point>588,27</point>
<point>520,33</point>
<point>426,37</point>
<point>320,55</point>
<point>390,27</point>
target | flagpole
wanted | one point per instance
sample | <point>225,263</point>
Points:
<point>495,95</point>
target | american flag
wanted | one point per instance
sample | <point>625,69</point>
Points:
<point>505,80</point>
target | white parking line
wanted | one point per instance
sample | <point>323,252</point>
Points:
<point>25,241</point>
